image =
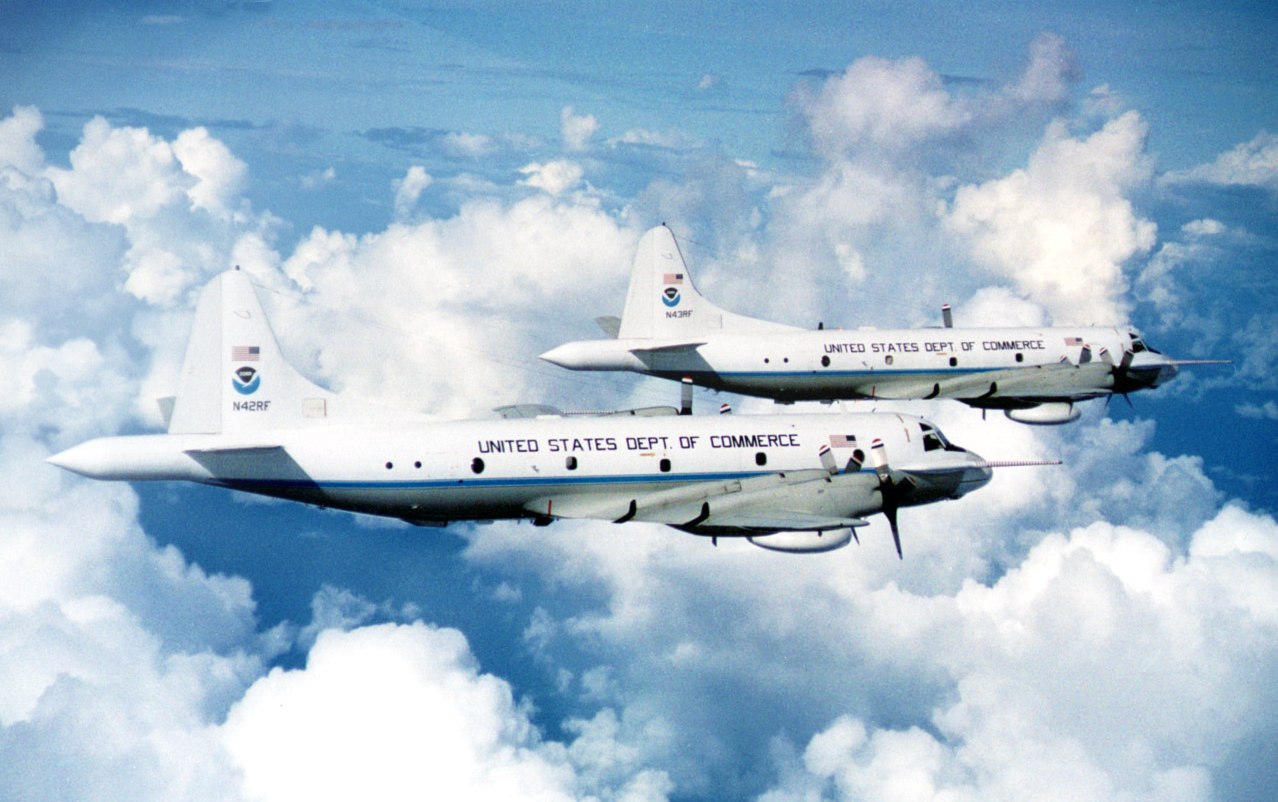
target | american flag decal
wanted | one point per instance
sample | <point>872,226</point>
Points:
<point>842,441</point>
<point>1073,340</point>
<point>245,353</point>
<point>673,278</point>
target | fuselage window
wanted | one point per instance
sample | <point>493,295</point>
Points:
<point>888,359</point>
<point>477,465</point>
<point>390,465</point>
<point>760,458</point>
<point>825,361</point>
<point>570,463</point>
<point>954,362</point>
<point>1020,357</point>
<point>664,465</point>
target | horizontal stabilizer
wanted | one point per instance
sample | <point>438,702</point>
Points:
<point>610,325</point>
<point>675,348</point>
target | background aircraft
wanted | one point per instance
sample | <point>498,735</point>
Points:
<point>1034,374</point>
<point>245,419</point>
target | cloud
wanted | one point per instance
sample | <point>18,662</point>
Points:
<point>576,130</point>
<point>391,711</point>
<point>1052,69</point>
<point>554,178</point>
<point>18,147</point>
<point>409,188</point>
<point>1265,411</point>
<point>467,146</point>
<point>472,289</point>
<point>1045,664</point>
<point>1062,228</point>
<point>880,104</point>
<point>1248,164</point>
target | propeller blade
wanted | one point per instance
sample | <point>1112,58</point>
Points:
<point>879,459</point>
<point>947,317</point>
<point>827,460</point>
<point>1106,357</point>
<point>1128,356</point>
<point>1085,355</point>
<point>887,489</point>
<point>889,511</point>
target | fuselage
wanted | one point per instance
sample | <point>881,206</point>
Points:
<point>500,469</point>
<point>990,366</point>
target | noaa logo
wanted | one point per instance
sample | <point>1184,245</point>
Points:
<point>246,380</point>
<point>670,296</point>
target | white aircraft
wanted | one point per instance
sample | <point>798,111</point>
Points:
<point>244,419</point>
<point>1035,375</point>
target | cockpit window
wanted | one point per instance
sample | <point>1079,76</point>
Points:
<point>933,440</point>
<point>1138,345</point>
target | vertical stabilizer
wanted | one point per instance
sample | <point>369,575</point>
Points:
<point>234,377</point>
<point>663,303</point>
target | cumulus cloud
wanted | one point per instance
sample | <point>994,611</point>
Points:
<point>392,711</point>
<point>576,130</point>
<point>1045,664</point>
<point>1052,69</point>
<point>18,147</point>
<point>1248,164</point>
<point>882,104</point>
<point>409,188</point>
<point>555,178</point>
<point>1062,228</point>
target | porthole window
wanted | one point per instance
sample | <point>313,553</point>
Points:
<point>570,463</point>
<point>665,465</point>
<point>390,465</point>
<point>954,362</point>
<point>766,360</point>
<point>825,361</point>
<point>1020,357</point>
<point>417,464</point>
<point>477,465</point>
<point>760,458</point>
<point>888,359</point>
<point>786,360</point>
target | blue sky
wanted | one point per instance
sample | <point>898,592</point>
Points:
<point>432,194</point>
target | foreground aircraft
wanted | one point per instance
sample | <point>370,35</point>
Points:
<point>1034,374</point>
<point>244,419</point>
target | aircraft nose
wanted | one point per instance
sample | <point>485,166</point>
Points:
<point>976,474</point>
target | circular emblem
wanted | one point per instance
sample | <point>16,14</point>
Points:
<point>246,380</point>
<point>670,296</point>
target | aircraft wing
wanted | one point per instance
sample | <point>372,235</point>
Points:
<point>1061,380</point>
<point>782,521</point>
<point>771,502</point>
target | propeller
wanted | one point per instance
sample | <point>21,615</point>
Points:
<point>889,488</point>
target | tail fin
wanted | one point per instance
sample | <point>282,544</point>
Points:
<point>234,377</point>
<point>662,301</point>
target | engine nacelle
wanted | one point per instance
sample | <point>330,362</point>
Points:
<point>804,542</point>
<point>1052,413</point>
